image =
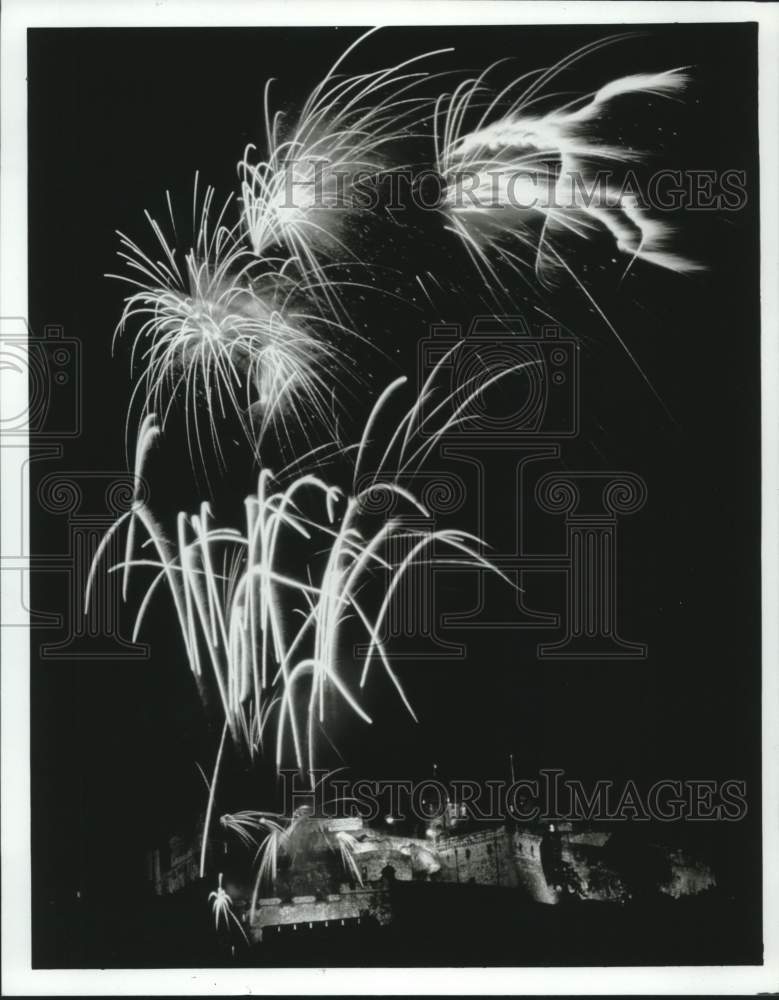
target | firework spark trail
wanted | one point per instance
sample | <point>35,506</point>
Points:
<point>147,434</point>
<point>304,194</point>
<point>531,179</point>
<point>227,332</point>
<point>222,908</point>
<point>246,823</point>
<point>273,637</point>
<point>277,834</point>
<point>355,553</point>
<point>211,785</point>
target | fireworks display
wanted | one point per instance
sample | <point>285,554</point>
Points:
<point>225,331</point>
<point>271,835</point>
<point>222,907</point>
<point>519,183</point>
<point>235,600</point>
<point>248,324</point>
<point>303,195</point>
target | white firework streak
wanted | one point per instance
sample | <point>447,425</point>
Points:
<point>302,195</point>
<point>222,330</point>
<point>147,433</point>
<point>527,179</point>
<point>267,637</point>
<point>222,908</point>
<point>248,823</point>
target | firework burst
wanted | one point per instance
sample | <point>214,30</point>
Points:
<point>222,909</point>
<point>307,192</point>
<point>265,635</point>
<point>519,184</point>
<point>222,332</point>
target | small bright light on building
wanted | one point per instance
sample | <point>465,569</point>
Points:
<point>389,820</point>
<point>430,832</point>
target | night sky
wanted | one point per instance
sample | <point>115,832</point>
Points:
<point>118,117</point>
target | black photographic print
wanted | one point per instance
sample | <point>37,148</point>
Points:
<point>388,558</point>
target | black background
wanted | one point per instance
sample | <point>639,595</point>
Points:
<point>118,117</point>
